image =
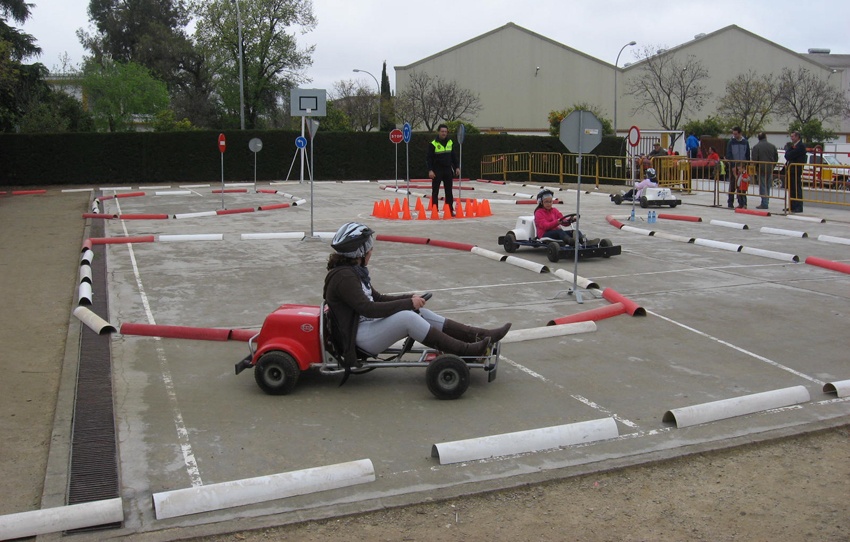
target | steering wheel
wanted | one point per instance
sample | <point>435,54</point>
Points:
<point>426,296</point>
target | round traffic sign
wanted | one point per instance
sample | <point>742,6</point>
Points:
<point>256,144</point>
<point>405,132</point>
<point>396,136</point>
<point>222,143</point>
<point>634,136</point>
<point>461,133</point>
<point>300,142</point>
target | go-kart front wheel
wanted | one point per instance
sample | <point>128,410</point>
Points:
<point>644,203</point>
<point>604,244</point>
<point>553,251</point>
<point>447,377</point>
<point>277,373</point>
<point>510,242</point>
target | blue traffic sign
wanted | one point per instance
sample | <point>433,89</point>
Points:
<point>300,142</point>
<point>405,131</point>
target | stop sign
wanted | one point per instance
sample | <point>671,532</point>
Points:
<point>222,144</point>
<point>396,136</point>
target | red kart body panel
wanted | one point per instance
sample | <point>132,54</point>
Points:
<point>293,329</point>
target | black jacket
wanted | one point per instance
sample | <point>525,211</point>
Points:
<point>442,160</point>
<point>343,292</point>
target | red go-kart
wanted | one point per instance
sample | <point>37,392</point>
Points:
<point>297,338</point>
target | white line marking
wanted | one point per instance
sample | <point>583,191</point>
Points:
<point>739,349</point>
<point>599,408</point>
<point>182,433</point>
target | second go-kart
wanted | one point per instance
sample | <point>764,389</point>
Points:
<point>297,338</point>
<point>650,197</point>
<point>524,235</point>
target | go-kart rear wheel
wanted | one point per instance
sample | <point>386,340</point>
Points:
<point>674,203</point>
<point>553,251</point>
<point>644,203</point>
<point>447,377</point>
<point>277,373</point>
<point>618,199</point>
<point>510,242</point>
<point>604,244</point>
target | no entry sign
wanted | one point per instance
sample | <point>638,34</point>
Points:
<point>222,143</point>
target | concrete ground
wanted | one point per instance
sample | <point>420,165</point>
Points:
<point>719,325</point>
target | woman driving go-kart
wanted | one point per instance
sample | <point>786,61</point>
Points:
<point>552,224</point>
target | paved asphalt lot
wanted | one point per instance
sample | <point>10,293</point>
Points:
<point>719,325</point>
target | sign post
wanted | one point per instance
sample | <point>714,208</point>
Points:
<point>222,146</point>
<point>396,137</point>
<point>461,135</point>
<point>405,135</point>
<point>581,132</point>
<point>634,139</point>
<point>255,145</point>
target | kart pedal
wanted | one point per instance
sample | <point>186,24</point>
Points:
<point>244,364</point>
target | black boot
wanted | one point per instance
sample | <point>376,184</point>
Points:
<point>445,343</point>
<point>469,333</point>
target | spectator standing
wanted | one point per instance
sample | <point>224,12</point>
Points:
<point>443,165</point>
<point>738,154</point>
<point>692,146</point>
<point>766,156</point>
<point>795,157</point>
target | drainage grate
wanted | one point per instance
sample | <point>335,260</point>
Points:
<point>94,455</point>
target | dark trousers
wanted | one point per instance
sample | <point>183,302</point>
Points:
<point>795,187</point>
<point>445,176</point>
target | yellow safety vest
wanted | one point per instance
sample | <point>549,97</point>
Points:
<point>440,148</point>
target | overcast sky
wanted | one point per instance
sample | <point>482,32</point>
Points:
<point>364,33</point>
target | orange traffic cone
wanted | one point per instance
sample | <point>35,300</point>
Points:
<point>471,205</point>
<point>435,214</point>
<point>484,209</point>
<point>405,213</point>
<point>459,209</point>
<point>385,213</point>
<point>376,210</point>
<point>419,207</point>
<point>447,212</point>
<point>396,209</point>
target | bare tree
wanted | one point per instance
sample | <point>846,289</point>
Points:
<point>358,103</point>
<point>749,101</point>
<point>668,88</point>
<point>803,96</point>
<point>431,100</point>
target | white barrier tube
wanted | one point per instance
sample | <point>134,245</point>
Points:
<point>831,239</point>
<point>192,237</point>
<point>840,388</point>
<point>87,257</point>
<point>194,500</point>
<point>194,186</point>
<point>807,218</point>
<point>736,406</point>
<point>281,235</point>
<point>726,224</point>
<point>512,202</point>
<point>526,264</point>
<point>324,234</point>
<point>300,202</point>
<point>636,230</point>
<point>153,187</point>
<point>93,321</point>
<point>85,273</point>
<point>673,237</point>
<point>568,276</point>
<point>64,518</point>
<point>195,215</point>
<point>84,293</point>
<point>717,244</point>
<point>172,192</point>
<point>788,233</point>
<point>488,254</point>
<point>229,185</point>
<point>521,195</point>
<point>771,254</point>
<point>69,190</point>
<point>560,330</point>
<point>115,188</point>
<point>534,440</point>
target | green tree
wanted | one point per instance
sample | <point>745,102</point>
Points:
<point>55,112</point>
<point>812,132</point>
<point>431,100</point>
<point>804,96</point>
<point>555,118</point>
<point>336,119</point>
<point>165,121</point>
<point>20,44</point>
<point>712,127</point>
<point>118,92</point>
<point>272,61</point>
<point>749,101</point>
<point>387,112</point>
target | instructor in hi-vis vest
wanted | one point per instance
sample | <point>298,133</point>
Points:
<point>443,165</point>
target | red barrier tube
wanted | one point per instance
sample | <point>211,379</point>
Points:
<point>266,191</point>
<point>27,192</point>
<point>752,212</point>
<point>616,297</point>
<point>120,240</point>
<point>614,222</point>
<point>401,239</point>
<point>273,206</point>
<point>235,211</point>
<point>99,215</point>
<point>451,244</point>
<point>87,244</point>
<point>829,264</point>
<point>243,335</point>
<point>142,217</point>
<point>601,313</point>
<point>176,332</point>
<point>686,218</point>
<point>230,191</point>
<point>130,195</point>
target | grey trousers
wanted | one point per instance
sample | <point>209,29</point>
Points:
<point>375,336</point>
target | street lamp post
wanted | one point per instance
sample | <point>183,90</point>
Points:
<point>379,94</point>
<point>241,78</point>
<point>616,68</point>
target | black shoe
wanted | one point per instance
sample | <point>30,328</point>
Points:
<point>762,207</point>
